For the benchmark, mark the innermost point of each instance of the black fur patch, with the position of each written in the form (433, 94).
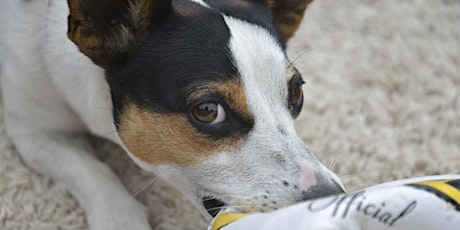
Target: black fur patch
(183, 51)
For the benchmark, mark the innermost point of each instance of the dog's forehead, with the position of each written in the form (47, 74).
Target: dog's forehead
(262, 65)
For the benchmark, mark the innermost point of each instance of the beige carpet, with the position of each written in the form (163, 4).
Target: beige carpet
(382, 103)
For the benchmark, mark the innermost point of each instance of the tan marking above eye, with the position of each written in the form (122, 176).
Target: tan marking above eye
(158, 138)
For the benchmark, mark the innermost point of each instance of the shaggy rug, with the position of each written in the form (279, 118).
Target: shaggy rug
(382, 103)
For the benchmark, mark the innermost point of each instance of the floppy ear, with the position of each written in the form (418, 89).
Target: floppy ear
(287, 15)
(108, 30)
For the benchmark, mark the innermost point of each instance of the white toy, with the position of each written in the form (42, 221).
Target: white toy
(424, 203)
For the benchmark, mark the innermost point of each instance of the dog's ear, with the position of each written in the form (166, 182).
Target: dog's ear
(287, 15)
(108, 30)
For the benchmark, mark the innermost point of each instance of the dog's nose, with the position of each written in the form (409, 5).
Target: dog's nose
(316, 181)
(321, 190)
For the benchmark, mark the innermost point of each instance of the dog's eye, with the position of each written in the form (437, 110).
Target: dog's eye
(295, 100)
(209, 112)
(296, 96)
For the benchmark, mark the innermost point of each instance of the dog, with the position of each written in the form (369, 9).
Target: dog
(200, 92)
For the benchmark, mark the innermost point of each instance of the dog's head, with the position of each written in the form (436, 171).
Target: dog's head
(204, 95)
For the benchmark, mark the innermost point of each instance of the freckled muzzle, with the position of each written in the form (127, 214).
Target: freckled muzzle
(262, 176)
(274, 195)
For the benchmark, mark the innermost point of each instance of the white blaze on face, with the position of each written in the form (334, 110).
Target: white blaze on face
(262, 65)
(263, 68)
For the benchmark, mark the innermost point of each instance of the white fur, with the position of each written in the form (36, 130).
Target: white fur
(263, 68)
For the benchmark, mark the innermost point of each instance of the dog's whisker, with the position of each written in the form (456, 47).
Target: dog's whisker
(228, 206)
(346, 178)
(334, 160)
(145, 186)
(223, 197)
(332, 163)
(112, 132)
(108, 133)
(302, 54)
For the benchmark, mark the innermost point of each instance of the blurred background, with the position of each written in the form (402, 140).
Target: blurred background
(382, 92)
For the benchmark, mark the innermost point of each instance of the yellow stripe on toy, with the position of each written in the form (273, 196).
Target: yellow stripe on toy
(442, 186)
(226, 218)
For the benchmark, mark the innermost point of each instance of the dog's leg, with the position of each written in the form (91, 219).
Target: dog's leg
(65, 157)
(46, 133)
(50, 140)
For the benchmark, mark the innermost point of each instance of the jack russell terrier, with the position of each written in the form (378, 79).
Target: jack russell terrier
(200, 92)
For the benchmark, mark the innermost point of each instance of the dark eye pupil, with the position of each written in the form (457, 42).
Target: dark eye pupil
(205, 112)
(296, 96)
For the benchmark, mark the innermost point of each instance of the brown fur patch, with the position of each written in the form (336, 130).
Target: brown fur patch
(166, 138)
(287, 15)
